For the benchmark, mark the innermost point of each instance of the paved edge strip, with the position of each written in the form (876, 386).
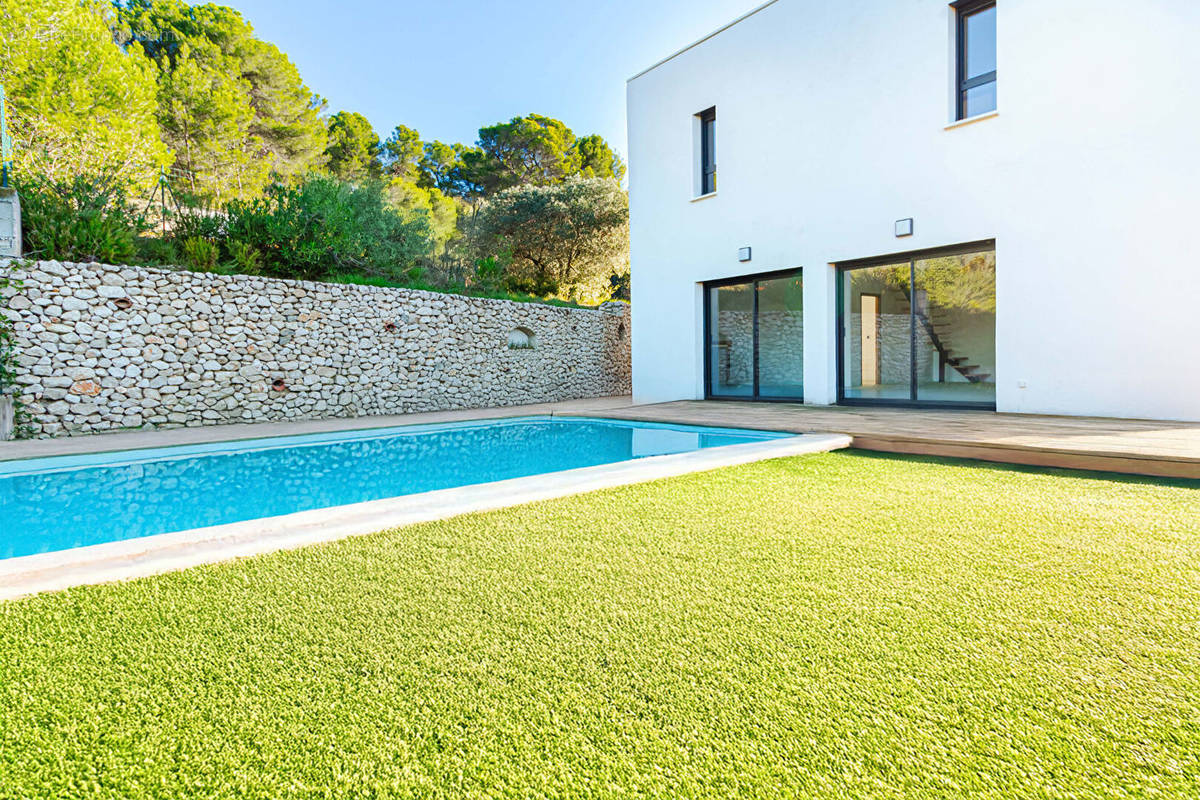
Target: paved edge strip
(149, 439)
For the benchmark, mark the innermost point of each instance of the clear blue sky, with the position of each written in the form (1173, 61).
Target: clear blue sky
(449, 67)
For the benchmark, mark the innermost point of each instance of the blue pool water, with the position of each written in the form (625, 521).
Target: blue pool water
(58, 503)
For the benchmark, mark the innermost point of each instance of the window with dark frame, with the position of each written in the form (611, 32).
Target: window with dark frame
(976, 57)
(754, 335)
(925, 339)
(708, 150)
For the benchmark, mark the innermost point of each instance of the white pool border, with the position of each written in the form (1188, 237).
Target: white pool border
(151, 555)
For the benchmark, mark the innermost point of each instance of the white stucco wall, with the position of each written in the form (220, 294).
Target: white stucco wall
(832, 124)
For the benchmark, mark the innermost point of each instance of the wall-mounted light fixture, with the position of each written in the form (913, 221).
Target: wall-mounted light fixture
(743, 254)
(904, 227)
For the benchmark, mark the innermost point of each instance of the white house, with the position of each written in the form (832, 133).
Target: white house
(910, 202)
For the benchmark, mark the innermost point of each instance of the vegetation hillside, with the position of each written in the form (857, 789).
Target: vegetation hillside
(158, 132)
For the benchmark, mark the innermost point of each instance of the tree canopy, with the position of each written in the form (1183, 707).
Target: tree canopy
(77, 103)
(540, 150)
(569, 234)
(598, 160)
(401, 153)
(232, 107)
(353, 150)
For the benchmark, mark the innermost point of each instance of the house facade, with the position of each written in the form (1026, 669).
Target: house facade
(976, 205)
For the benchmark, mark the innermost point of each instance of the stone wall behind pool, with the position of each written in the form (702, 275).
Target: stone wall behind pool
(108, 347)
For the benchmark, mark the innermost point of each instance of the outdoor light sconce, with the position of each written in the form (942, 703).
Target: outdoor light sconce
(743, 254)
(904, 227)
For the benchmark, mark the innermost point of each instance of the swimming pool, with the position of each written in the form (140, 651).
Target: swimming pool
(66, 502)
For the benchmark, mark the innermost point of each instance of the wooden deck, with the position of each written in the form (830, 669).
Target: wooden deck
(1161, 449)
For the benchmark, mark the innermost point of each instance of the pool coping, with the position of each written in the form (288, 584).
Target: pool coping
(150, 555)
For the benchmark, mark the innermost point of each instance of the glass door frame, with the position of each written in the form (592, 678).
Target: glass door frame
(754, 279)
(911, 256)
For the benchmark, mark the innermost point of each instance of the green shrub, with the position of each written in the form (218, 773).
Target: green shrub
(8, 348)
(201, 254)
(87, 218)
(22, 421)
(536, 285)
(565, 239)
(489, 273)
(198, 222)
(325, 226)
(154, 251)
(620, 286)
(245, 259)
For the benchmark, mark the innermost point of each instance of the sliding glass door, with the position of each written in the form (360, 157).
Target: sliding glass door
(755, 337)
(920, 329)
(955, 317)
(878, 356)
(731, 340)
(781, 338)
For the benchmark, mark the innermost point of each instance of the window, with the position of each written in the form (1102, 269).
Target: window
(708, 150)
(976, 57)
(755, 337)
(919, 329)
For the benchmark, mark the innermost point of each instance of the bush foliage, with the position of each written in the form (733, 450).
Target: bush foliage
(78, 219)
(326, 226)
(568, 236)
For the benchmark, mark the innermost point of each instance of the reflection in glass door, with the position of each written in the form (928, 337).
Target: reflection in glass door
(781, 337)
(921, 329)
(755, 337)
(731, 340)
(877, 352)
(955, 319)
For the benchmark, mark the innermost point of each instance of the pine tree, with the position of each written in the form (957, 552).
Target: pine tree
(78, 104)
(353, 147)
(232, 107)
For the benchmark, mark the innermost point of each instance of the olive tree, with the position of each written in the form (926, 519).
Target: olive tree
(565, 238)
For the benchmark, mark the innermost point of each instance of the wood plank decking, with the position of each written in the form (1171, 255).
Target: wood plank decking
(1162, 449)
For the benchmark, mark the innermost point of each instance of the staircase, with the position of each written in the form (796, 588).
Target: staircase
(939, 327)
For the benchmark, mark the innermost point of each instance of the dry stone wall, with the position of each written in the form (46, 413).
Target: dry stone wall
(108, 347)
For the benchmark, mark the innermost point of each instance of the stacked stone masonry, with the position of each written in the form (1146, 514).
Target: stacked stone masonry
(108, 347)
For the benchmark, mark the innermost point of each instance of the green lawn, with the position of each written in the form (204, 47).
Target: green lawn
(835, 626)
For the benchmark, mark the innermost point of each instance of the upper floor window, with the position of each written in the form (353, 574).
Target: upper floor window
(708, 150)
(976, 57)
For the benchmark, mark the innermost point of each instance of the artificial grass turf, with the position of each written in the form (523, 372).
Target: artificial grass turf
(839, 625)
